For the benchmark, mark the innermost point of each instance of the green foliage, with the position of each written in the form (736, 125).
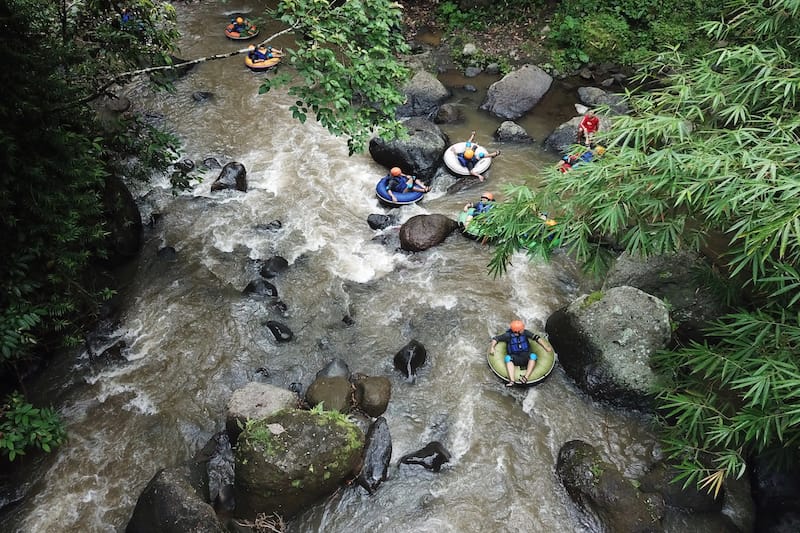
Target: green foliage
(710, 151)
(23, 426)
(624, 31)
(346, 61)
(455, 18)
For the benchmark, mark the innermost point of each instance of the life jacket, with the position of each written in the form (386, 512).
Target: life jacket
(518, 343)
(482, 207)
(396, 184)
(260, 55)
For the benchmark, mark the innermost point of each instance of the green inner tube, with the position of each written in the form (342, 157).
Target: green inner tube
(545, 363)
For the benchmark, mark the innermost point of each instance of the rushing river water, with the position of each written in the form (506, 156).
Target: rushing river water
(192, 337)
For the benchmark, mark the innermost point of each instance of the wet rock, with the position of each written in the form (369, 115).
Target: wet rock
(605, 340)
(218, 456)
(275, 225)
(202, 96)
(608, 500)
(470, 88)
(594, 96)
(184, 165)
(123, 222)
(333, 393)
(373, 393)
(167, 253)
(117, 104)
(517, 92)
(412, 356)
(421, 232)
(510, 131)
(420, 154)
(448, 114)
(335, 368)
(232, 176)
(777, 497)
(274, 266)
(424, 93)
(377, 221)
(348, 320)
(659, 479)
(471, 72)
(281, 332)
(432, 456)
(377, 456)
(253, 401)
(261, 287)
(170, 504)
(211, 163)
(306, 457)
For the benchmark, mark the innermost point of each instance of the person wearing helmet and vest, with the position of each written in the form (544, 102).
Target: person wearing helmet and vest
(472, 209)
(471, 155)
(399, 182)
(239, 25)
(518, 350)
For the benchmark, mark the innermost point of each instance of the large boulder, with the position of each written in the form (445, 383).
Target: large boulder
(594, 96)
(564, 136)
(604, 341)
(424, 93)
(421, 232)
(410, 357)
(510, 131)
(517, 92)
(171, 504)
(660, 478)
(609, 501)
(674, 279)
(123, 221)
(420, 154)
(286, 462)
(232, 176)
(255, 401)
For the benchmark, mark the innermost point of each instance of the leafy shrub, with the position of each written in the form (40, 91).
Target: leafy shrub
(23, 426)
(454, 17)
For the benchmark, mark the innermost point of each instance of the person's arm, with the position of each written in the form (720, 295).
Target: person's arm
(471, 137)
(542, 342)
(493, 345)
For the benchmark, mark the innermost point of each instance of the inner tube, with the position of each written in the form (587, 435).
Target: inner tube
(256, 66)
(452, 162)
(545, 363)
(249, 33)
(403, 198)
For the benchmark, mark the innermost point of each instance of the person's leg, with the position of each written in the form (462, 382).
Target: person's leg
(529, 368)
(511, 369)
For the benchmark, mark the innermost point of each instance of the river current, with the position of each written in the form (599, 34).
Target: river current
(192, 338)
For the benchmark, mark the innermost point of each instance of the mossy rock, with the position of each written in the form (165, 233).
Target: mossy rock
(287, 461)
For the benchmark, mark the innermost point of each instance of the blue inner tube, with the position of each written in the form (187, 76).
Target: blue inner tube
(403, 198)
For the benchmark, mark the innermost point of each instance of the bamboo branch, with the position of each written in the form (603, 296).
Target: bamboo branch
(103, 89)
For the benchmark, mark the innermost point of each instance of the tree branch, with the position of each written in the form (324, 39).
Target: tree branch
(103, 89)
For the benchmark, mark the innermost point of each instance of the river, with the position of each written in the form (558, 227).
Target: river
(192, 337)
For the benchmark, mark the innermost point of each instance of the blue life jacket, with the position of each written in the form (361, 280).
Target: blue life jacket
(396, 184)
(482, 207)
(518, 343)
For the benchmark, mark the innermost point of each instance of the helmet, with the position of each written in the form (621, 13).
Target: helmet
(239, 20)
(395, 171)
(468, 154)
(481, 155)
(489, 196)
(550, 222)
(600, 150)
(517, 326)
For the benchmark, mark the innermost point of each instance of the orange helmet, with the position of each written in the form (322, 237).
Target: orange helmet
(239, 20)
(468, 154)
(517, 326)
(489, 196)
(395, 171)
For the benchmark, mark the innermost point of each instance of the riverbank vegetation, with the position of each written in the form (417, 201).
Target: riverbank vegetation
(710, 151)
